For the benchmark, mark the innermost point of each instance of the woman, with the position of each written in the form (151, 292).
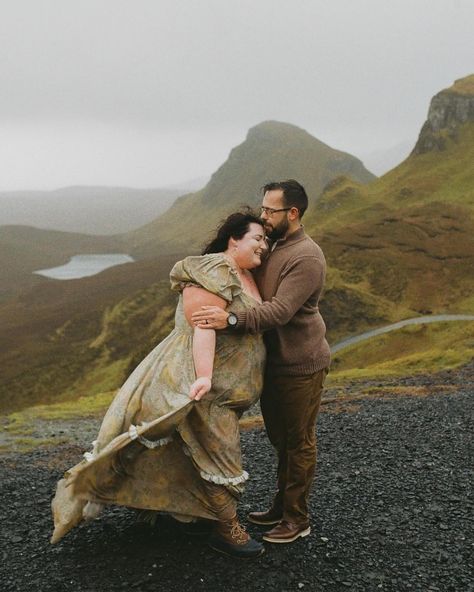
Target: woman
(170, 439)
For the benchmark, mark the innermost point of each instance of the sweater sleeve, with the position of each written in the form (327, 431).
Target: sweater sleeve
(303, 277)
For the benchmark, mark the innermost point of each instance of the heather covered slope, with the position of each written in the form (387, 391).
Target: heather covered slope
(63, 339)
(408, 237)
(272, 150)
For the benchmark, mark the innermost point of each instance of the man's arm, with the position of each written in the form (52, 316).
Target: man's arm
(303, 277)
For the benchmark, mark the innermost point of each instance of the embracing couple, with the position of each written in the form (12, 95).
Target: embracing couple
(247, 325)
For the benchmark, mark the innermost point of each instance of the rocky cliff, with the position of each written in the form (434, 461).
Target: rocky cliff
(449, 110)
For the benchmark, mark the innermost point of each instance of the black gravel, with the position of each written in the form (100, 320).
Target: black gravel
(392, 509)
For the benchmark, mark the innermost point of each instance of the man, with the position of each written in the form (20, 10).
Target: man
(290, 281)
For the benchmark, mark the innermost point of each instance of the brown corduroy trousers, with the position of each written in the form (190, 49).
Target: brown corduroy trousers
(290, 406)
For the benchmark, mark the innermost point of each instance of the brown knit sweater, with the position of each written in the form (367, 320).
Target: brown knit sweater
(290, 282)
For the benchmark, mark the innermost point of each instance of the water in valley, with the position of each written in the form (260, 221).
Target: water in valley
(81, 266)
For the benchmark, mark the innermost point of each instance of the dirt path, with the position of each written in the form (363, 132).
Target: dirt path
(443, 318)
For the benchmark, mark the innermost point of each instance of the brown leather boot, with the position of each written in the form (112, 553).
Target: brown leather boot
(266, 518)
(286, 532)
(231, 538)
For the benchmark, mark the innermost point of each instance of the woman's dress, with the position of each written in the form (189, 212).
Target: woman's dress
(156, 445)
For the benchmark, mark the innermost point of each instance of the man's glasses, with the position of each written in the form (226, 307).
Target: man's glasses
(271, 211)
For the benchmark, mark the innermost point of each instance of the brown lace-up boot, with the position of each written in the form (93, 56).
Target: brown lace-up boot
(231, 538)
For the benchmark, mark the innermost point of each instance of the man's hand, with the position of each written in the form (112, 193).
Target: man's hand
(210, 317)
(200, 387)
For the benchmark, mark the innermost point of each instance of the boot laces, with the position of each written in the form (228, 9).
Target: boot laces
(239, 533)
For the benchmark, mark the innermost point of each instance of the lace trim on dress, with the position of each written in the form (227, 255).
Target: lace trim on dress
(134, 435)
(225, 480)
(154, 443)
(89, 456)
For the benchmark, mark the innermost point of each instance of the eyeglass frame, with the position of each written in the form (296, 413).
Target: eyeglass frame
(271, 211)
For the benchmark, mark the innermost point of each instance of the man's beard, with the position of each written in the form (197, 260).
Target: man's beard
(278, 231)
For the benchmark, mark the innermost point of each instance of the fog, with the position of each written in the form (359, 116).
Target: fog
(151, 93)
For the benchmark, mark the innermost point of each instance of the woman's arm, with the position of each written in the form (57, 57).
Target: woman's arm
(204, 342)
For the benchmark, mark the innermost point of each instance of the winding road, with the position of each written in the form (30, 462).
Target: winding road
(394, 326)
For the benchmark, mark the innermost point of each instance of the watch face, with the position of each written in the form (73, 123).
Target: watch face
(232, 320)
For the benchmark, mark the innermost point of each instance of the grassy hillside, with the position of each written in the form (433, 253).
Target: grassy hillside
(88, 332)
(411, 350)
(408, 237)
(399, 246)
(272, 150)
(463, 86)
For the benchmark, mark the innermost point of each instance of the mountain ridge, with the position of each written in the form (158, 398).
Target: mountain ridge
(271, 150)
(396, 248)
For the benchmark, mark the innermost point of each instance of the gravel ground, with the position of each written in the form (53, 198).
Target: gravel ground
(392, 509)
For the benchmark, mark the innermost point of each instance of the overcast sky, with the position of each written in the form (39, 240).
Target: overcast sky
(149, 93)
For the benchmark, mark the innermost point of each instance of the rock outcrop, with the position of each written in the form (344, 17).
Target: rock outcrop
(449, 110)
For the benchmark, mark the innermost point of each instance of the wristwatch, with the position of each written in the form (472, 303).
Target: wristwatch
(232, 320)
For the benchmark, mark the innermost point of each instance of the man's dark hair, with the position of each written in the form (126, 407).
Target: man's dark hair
(234, 226)
(294, 194)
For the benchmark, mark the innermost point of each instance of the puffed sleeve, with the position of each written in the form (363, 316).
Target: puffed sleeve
(212, 272)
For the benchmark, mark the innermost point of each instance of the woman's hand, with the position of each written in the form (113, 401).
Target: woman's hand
(200, 387)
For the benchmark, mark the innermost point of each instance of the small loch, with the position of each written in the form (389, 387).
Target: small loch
(80, 266)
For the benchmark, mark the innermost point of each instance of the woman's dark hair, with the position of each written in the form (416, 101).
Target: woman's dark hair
(234, 226)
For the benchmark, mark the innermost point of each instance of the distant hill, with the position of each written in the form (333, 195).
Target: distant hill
(399, 246)
(88, 210)
(384, 159)
(190, 185)
(271, 151)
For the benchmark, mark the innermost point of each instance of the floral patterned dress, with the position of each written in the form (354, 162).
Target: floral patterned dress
(155, 445)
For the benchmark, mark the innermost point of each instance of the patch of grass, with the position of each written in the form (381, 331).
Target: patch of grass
(463, 86)
(22, 422)
(350, 307)
(103, 376)
(23, 445)
(411, 350)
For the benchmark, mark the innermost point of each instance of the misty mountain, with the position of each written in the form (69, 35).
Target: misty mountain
(89, 210)
(271, 151)
(383, 160)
